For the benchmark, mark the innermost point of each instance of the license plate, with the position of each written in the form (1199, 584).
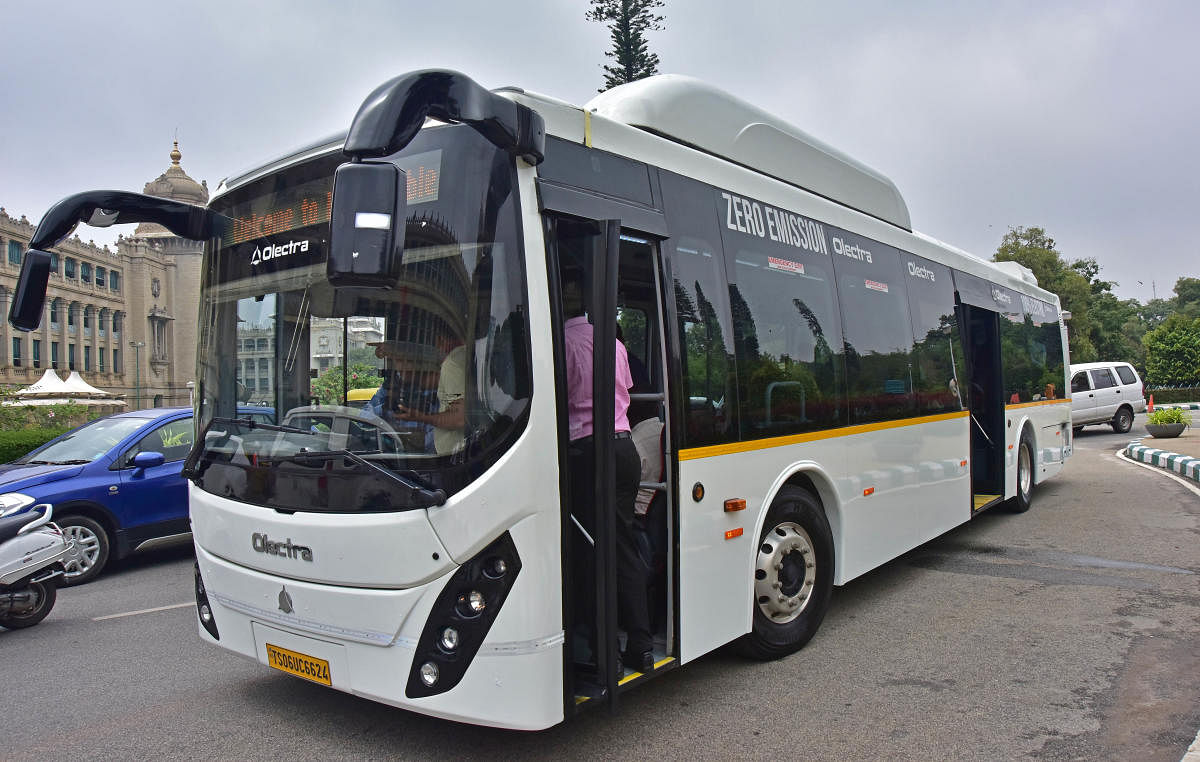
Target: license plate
(298, 664)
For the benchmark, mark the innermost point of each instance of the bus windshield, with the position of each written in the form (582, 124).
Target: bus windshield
(424, 384)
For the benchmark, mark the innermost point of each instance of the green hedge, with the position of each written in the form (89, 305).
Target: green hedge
(14, 444)
(1187, 394)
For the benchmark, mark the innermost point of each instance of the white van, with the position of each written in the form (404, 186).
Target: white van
(1106, 392)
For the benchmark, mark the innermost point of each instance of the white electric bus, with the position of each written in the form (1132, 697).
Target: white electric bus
(817, 389)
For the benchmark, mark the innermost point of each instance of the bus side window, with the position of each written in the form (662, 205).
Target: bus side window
(702, 332)
(938, 353)
(878, 332)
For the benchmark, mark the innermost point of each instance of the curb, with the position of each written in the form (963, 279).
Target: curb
(1184, 465)
(1181, 405)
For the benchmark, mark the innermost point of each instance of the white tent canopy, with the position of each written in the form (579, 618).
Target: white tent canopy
(77, 387)
(49, 385)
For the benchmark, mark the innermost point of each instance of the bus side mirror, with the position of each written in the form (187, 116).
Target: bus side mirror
(29, 299)
(367, 223)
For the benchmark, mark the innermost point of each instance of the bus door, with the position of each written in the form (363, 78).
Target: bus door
(614, 561)
(985, 391)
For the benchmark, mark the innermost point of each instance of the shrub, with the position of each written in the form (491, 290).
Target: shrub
(14, 444)
(1168, 415)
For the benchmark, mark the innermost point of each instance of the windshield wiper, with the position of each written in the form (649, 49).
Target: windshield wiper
(430, 497)
(75, 462)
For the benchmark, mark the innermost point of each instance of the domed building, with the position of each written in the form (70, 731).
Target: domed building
(125, 319)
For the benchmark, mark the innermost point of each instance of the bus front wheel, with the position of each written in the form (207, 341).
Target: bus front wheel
(793, 576)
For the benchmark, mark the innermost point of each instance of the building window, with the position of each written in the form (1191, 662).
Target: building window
(70, 357)
(54, 355)
(87, 320)
(85, 272)
(54, 314)
(114, 281)
(54, 263)
(117, 368)
(68, 268)
(16, 356)
(100, 352)
(116, 326)
(100, 277)
(87, 357)
(14, 252)
(37, 353)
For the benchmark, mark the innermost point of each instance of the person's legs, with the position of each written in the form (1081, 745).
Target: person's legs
(632, 605)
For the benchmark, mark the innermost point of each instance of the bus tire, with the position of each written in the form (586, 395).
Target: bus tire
(1024, 496)
(793, 576)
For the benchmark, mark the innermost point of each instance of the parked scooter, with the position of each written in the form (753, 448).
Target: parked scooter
(33, 553)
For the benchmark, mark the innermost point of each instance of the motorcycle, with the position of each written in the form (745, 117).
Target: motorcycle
(33, 555)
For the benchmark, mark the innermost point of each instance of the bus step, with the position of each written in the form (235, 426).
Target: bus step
(985, 501)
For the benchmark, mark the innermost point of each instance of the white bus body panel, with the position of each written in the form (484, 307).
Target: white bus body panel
(369, 637)
(920, 477)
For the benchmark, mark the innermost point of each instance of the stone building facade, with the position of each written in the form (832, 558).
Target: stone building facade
(125, 319)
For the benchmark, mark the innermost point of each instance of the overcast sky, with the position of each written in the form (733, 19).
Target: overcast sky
(1079, 117)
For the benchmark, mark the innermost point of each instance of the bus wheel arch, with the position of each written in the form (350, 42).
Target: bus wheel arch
(792, 575)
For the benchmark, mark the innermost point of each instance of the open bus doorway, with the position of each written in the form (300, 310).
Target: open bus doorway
(981, 329)
(617, 525)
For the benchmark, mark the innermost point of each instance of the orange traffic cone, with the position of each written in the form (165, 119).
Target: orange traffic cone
(1150, 406)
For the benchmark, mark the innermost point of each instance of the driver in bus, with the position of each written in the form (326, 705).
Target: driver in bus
(450, 418)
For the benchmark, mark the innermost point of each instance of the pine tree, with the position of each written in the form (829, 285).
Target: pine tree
(628, 22)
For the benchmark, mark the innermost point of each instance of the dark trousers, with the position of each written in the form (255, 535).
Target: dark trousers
(633, 612)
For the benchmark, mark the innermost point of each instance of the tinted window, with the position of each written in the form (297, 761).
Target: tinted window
(877, 331)
(702, 311)
(786, 336)
(585, 167)
(1127, 375)
(1080, 383)
(1103, 378)
(938, 352)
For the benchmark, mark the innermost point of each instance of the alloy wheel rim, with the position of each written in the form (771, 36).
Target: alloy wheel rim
(1024, 470)
(785, 572)
(89, 550)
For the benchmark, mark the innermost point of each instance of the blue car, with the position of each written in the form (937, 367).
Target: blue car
(115, 483)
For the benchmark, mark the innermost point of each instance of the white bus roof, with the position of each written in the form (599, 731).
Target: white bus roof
(689, 111)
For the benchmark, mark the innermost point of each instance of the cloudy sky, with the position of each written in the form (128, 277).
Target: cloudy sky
(1079, 116)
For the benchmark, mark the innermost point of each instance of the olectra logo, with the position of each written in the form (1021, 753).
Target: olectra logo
(263, 253)
(264, 544)
(1001, 297)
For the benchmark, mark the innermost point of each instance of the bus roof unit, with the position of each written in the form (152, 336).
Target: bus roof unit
(692, 112)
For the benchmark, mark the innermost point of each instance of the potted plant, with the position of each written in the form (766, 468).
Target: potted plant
(1167, 422)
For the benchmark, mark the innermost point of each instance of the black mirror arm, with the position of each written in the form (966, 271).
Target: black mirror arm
(393, 113)
(102, 208)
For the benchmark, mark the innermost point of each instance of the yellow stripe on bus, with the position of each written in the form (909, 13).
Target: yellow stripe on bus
(1036, 404)
(764, 444)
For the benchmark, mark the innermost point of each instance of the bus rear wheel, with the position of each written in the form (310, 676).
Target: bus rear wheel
(793, 576)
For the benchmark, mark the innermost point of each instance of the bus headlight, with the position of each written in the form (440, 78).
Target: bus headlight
(460, 618)
(429, 674)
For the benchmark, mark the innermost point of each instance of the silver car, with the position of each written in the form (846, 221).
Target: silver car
(1106, 392)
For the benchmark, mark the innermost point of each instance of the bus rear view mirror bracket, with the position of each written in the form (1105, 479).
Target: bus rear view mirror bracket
(99, 208)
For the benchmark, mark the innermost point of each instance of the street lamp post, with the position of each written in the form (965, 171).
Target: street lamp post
(137, 373)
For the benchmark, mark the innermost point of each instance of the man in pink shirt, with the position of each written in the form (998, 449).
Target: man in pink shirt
(632, 607)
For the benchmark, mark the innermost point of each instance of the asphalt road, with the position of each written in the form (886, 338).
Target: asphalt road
(1072, 631)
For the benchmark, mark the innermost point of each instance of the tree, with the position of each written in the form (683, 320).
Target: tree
(330, 387)
(628, 21)
(1187, 296)
(1034, 249)
(1173, 351)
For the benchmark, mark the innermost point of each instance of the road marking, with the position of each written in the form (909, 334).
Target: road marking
(142, 611)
